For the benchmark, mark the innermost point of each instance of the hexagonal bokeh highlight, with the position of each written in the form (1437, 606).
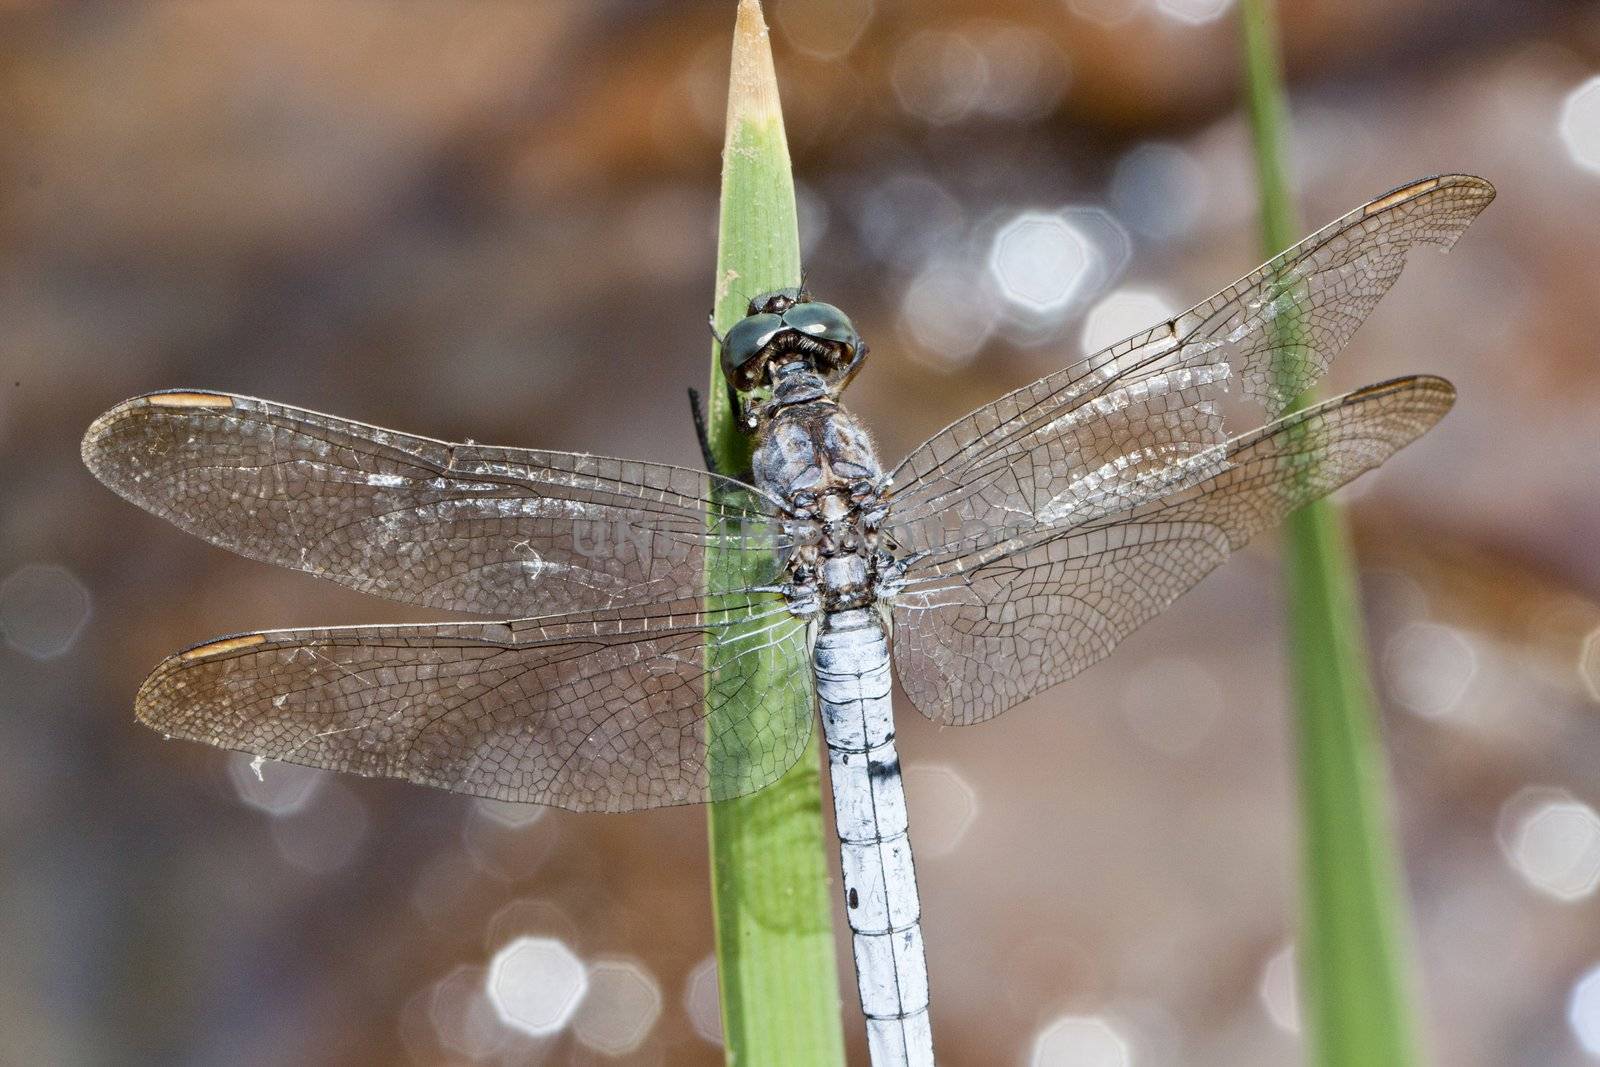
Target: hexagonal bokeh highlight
(1552, 840)
(1046, 265)
(621, 1008)
(1194, 12)
(701, 1001)
(1279, 990)
(536, 984)
(504, 813)
(946, 316)
(825, 29)
(1121, 314)
(43, 608)
(1161, 189)
(1579, 125)
(1027, 70)
(461, 1016)
(1429, 668)
(527, 917)
(939, 76)
(1106, 12)
(1080, 1041)
(1040, 261)
(945, 806)
(1589, 663)
(1583, 1011)
(275, 788)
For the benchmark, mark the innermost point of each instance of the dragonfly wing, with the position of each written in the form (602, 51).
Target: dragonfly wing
(979, 632)
(1144, 408)
(463, 527)
(607, 711)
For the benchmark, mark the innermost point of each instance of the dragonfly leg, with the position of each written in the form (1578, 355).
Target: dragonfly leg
(697, 412)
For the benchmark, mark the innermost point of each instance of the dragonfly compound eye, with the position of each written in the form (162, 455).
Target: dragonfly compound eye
(745, 349)
(830, 327)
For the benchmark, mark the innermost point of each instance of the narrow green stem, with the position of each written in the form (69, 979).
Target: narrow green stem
(1269, 123)
(1354, 934)
(769, 876)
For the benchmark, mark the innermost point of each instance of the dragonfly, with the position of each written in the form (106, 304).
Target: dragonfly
(656, 635)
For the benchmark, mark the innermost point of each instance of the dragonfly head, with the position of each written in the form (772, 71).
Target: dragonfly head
(786, 326)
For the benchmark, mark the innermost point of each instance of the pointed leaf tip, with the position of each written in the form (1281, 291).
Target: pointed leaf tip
(752, 83)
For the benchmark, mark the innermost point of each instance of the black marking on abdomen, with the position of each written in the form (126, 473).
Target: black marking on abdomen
(879, 770)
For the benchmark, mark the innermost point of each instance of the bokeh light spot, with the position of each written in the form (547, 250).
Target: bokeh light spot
(1583, 1011)
(623, 1004)
(1279, 990)
(1429, 668)
(463, 1020)
(945, 807)
(825, 29)
(908, 219)
(42, 610)
(1040, 261)
(1579, 125)
(1081, 1041)
(1160, 189)
(1106, 12)
(946, 315)
(1121, 314)
(509, 849)
(505, 813)
(1045, 267)
(1194, 12)
(701, 1002)
(1589, 663)
(939, 76)
(1027, 71)
(276, 788)
(535, 984)
(1552, 840)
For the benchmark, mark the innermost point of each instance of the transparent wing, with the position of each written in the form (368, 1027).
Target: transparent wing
(1095, 434)
(998, 625)
(497, 531)
(609, 711)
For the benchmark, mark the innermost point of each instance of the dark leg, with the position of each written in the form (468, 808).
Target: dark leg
(699, 416)
(736, 406)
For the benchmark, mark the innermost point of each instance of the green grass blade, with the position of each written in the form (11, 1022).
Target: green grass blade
(770, 891)
(1354, 934)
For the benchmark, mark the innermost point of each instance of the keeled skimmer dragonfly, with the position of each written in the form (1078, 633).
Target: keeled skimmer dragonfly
(1008, 552)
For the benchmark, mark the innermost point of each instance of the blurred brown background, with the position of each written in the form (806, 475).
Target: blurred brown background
(495, 219)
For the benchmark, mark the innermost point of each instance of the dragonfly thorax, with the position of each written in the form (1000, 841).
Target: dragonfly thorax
(815, 457)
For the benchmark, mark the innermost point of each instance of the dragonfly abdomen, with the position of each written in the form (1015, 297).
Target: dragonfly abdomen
(880, 885)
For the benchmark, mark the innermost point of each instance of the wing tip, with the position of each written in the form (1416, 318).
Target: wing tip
(1421, 396)
(1479, 185)
(1430, 386)
(159, 696)
(133, 407)
(1480, 188)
